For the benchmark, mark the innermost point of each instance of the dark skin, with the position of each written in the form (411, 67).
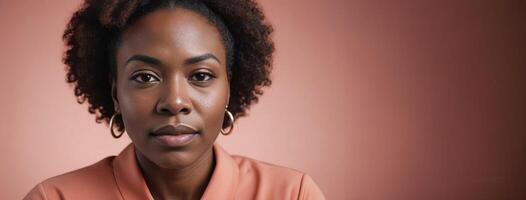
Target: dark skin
(171, 68)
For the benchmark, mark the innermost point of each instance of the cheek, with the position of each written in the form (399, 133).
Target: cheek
(136, 107)
(211, 107)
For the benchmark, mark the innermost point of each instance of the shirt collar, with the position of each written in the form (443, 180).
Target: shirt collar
(132, 186)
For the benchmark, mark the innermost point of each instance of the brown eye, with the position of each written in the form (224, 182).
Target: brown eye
(144, 78)
(201, 77)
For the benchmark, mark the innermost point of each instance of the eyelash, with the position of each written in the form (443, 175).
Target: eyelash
(135, 77)
(208, 77)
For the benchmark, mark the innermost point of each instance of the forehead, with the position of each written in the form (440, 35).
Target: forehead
(171, 34)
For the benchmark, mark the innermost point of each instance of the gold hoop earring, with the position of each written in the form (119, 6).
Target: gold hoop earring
(112, 120)
(231, 127)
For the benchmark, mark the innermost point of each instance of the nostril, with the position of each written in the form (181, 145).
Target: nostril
(173, 105)
(165, 110)
(185, 110)
(173, 111)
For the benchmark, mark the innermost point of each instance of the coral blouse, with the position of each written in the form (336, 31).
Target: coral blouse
(234, 177)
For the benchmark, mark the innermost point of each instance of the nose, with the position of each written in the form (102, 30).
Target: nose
(174, 99)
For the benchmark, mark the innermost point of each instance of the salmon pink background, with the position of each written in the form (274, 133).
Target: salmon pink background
(374, 99)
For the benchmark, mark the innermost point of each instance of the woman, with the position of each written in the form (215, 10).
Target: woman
(173, 75)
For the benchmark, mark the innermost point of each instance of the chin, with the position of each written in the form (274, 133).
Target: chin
(174, 159)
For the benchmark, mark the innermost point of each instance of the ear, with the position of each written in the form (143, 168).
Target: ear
(114, 94)
(228, 97)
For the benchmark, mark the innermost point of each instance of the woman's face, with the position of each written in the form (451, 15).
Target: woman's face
(171, 86)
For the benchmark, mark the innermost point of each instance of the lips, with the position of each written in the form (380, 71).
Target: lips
(175, 136)
(179, 129)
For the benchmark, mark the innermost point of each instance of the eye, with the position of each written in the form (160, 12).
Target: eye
(144, 78)
(201, 77)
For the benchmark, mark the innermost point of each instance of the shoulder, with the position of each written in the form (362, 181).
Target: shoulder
(271, 180)
(251, 167)
(94, 173)
(84, 182)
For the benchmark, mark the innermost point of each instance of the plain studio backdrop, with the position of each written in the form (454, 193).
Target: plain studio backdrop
(375, 99)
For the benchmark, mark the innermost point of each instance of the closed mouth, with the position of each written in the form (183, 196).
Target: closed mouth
(178, 129)
(176, 136)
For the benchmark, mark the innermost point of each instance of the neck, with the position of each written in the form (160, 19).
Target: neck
(187, 183)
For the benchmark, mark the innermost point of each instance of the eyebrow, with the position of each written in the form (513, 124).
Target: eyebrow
(143, 58)
(155, 61)
(200, 58)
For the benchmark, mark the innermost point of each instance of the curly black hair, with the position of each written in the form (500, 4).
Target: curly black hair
(93, 35)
